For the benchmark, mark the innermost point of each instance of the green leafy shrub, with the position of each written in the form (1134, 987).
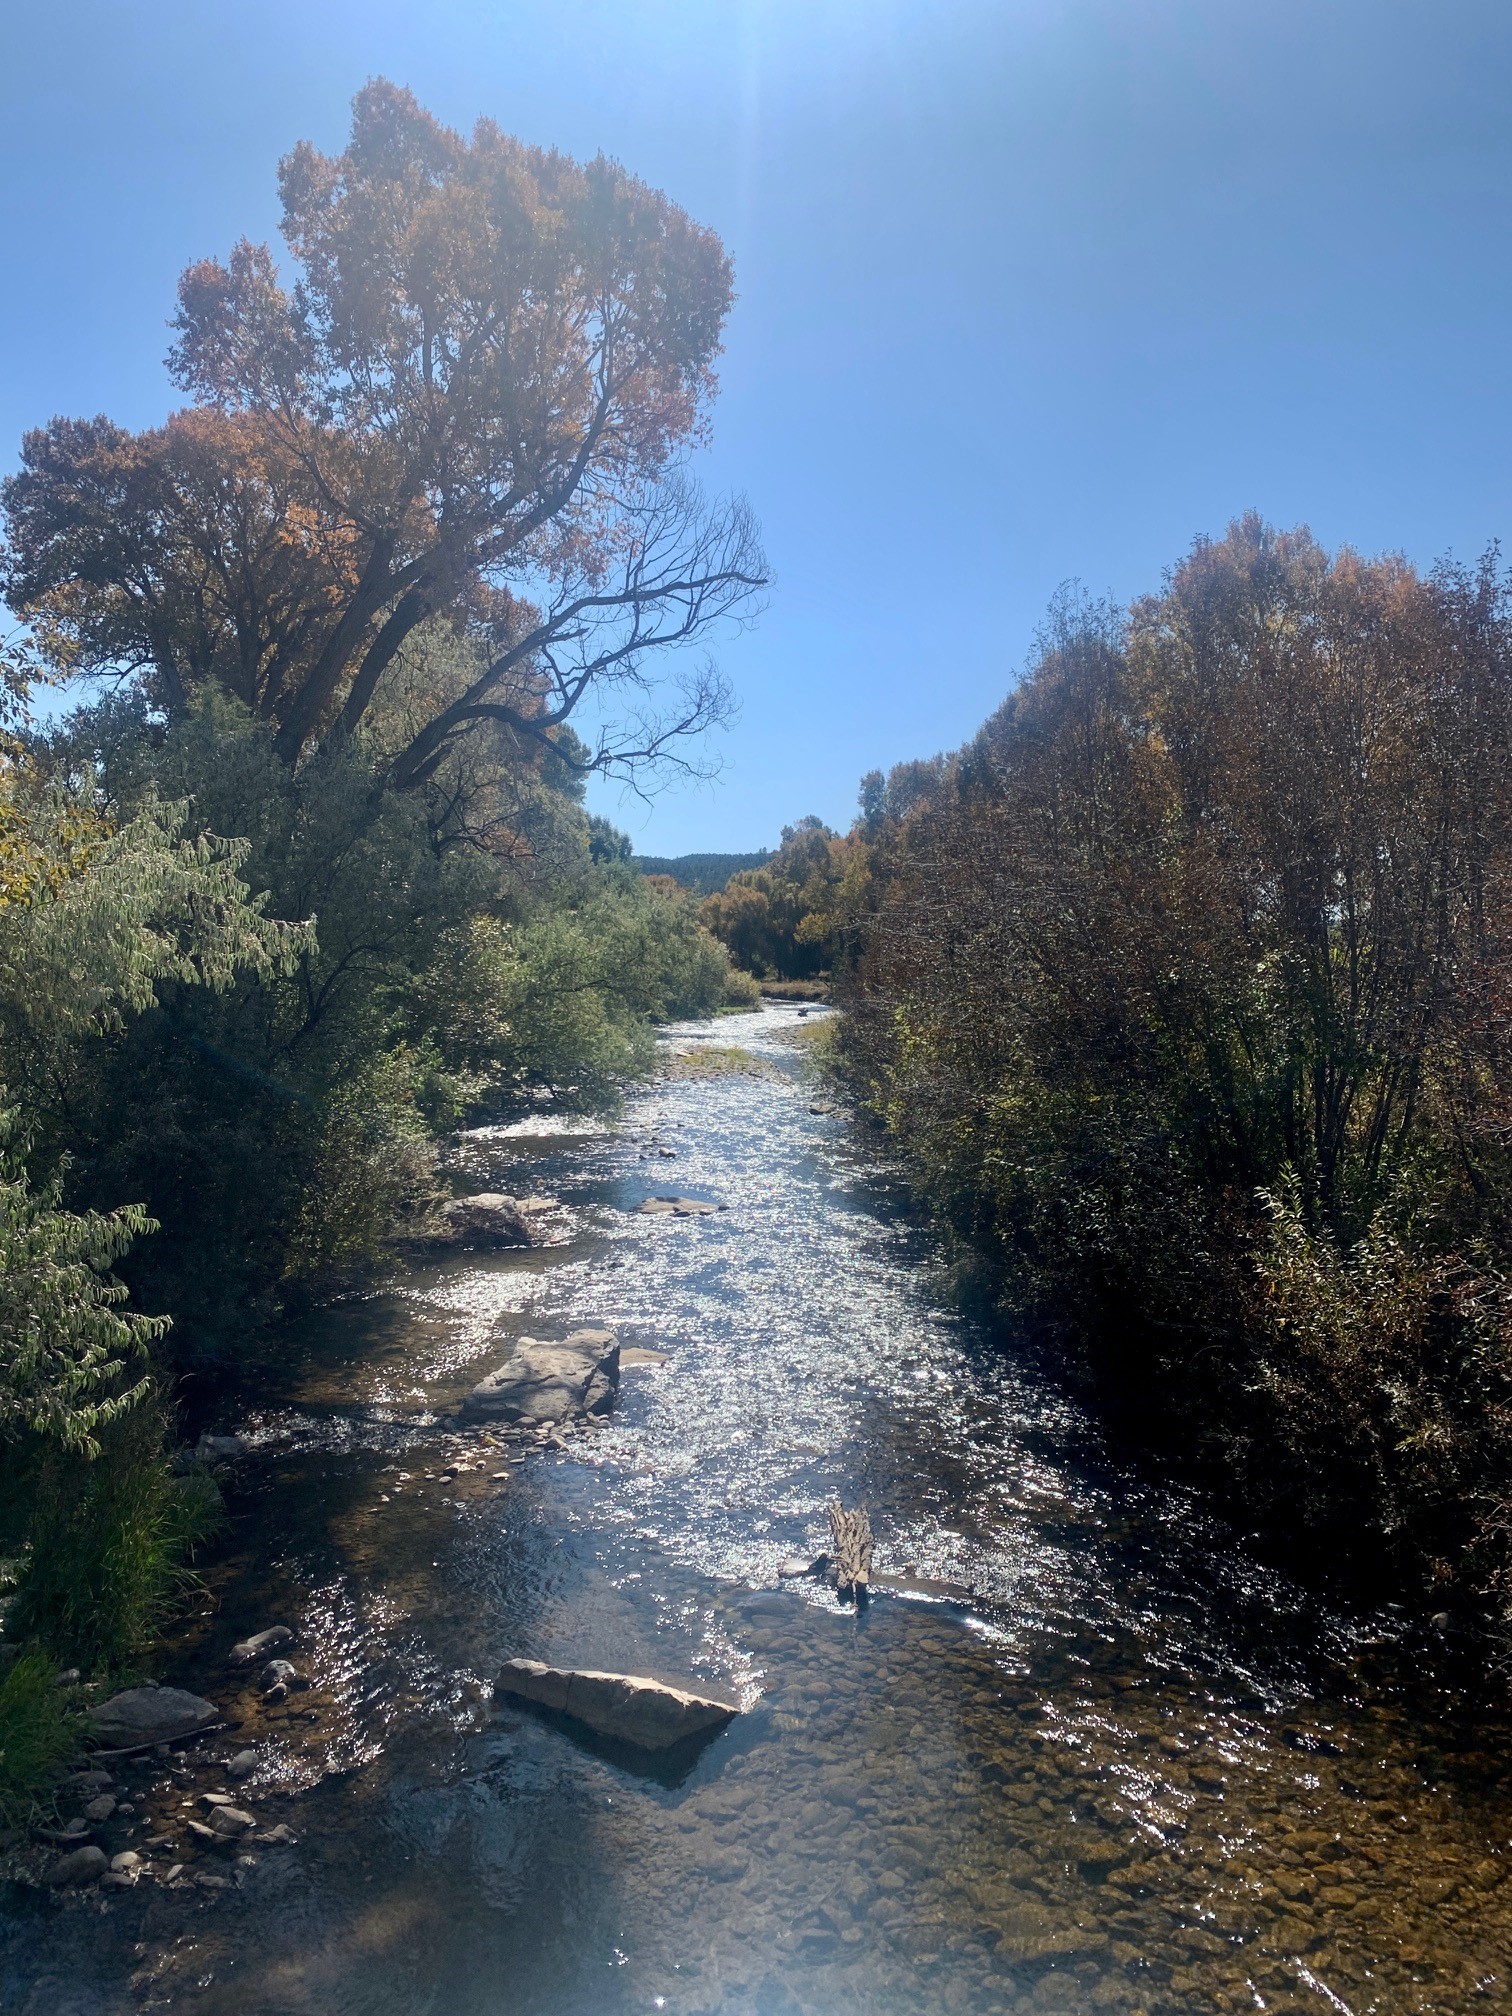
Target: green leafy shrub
(372, 1172)
(71, 1359)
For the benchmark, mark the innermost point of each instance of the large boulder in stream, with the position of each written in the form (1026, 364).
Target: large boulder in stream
(626, 1706)
(492, 1219)
(143, 1716)
(550, 1383)
(85, 1865)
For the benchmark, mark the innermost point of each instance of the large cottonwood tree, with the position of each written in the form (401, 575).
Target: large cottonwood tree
(470, 404)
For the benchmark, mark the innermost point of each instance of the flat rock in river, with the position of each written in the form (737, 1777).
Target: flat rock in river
(550, 1383)
(628, 1706)
(676, 1207)
(146, 1715)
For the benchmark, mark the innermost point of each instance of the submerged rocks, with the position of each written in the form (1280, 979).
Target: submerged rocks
(222, 1448)
(492, 1219)
(88, 1781)
(677, 1207)
(250, 1650)
(143, 1716)
(230, 1822)
(911, 1583)
(546, 1384)
(628, 1706)
(70, 1836)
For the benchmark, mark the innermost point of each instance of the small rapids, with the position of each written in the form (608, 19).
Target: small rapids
(1137, 1771)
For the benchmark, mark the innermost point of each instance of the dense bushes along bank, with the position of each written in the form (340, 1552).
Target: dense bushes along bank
(1186, 990)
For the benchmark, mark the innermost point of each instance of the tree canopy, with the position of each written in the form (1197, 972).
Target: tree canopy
(469, 405)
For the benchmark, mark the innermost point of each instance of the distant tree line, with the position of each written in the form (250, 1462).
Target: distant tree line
(1185, 989)
(702, 873)
(781, 921)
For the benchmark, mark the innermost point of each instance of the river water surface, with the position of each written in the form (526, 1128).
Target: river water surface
(1135, 1771)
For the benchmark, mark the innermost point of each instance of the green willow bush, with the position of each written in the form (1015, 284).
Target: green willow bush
(1186, 988)
(448, 953)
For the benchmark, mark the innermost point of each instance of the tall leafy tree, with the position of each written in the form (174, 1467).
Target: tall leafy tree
(471, 402)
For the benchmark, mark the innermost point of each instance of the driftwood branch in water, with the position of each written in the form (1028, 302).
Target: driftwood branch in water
(851, 1545)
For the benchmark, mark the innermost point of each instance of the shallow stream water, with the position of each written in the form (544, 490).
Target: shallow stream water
(1136, 1771)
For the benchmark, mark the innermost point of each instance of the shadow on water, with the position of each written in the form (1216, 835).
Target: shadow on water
(670, 1768)
(1139, 1771)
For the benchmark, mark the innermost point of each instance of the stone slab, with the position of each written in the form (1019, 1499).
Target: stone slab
(147, 1715)
(645, 1712)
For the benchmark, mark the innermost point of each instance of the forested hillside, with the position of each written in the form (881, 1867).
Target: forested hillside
(1185, 990)
(702, 873)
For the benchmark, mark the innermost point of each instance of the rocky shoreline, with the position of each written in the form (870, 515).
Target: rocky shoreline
(151, 1804)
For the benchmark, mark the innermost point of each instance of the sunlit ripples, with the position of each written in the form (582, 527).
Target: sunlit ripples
(1137, 1772)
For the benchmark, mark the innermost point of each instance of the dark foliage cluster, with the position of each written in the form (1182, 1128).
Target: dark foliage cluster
(703, 873)
(1186, 989)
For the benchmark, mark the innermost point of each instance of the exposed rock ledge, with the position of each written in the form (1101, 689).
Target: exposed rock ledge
(552, 1383)
(144, 1716)
(677, 1207)
(624, 1705)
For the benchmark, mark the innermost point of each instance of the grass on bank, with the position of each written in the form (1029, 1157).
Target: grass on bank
(108, 1548)
(38, 1736)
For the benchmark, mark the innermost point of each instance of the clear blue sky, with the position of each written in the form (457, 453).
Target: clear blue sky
(1029, 289)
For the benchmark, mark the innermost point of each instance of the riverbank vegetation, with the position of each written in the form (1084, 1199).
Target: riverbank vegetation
(1185, 989)
(305, 878)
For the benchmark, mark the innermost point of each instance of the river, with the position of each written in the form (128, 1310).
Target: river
(1136, 1771)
